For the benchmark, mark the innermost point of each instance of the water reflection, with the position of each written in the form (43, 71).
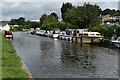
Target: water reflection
(49, 58)
(75, 53)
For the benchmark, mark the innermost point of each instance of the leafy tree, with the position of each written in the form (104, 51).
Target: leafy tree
(100, 10)
(108, 11)
(44, 16)
(65, 8)
(83, 16)
(48, 19)
(54, 14)
(59, 25)
(21, 21)
(108, 32)
(13, 22)
(35, 24)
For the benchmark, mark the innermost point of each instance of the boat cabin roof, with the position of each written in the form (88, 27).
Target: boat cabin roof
(118, 39)
(70, 29)
(89, 32)
(82, 30)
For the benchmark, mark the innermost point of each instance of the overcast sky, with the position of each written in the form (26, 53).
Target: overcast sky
(32, 10)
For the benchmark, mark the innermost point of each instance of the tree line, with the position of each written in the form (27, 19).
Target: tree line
(85, 16)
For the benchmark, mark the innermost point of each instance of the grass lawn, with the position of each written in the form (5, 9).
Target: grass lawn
(11, 63)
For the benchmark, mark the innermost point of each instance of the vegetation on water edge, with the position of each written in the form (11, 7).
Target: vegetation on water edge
(61, 26)
(11, 63)
(108, 32)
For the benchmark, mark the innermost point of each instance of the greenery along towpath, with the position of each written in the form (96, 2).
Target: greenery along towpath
(11, 63)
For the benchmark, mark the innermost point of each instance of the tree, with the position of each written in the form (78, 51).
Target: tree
(43, 17)
(21, 21)
(50, 19)
(65, 8)
(35, 24)
(108, 11)
(83, 16)
(13, 22)
(59, 25)
(54, 14)
(47, 19)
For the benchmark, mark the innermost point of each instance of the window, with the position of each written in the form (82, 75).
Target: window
(85, 34)
(98, 34)
(92, 34)
(8, 33)
(118, 39)
(80, 35)
(77, 31)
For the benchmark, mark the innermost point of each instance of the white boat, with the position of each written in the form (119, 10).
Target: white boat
(69, 34)
(117, 42)
(40, 32)
(62, 34)
(84, 36)
(55, 33)
(47, 33)
(50, 33)
(30, 30)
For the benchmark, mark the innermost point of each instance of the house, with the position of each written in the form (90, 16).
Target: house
(12, 26)
(116, 16)
(4, 26)
(104, 18)
(109, 21)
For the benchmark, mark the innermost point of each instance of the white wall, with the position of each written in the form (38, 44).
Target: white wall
(6, 27)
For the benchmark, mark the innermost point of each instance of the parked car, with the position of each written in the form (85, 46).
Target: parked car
(8, 34)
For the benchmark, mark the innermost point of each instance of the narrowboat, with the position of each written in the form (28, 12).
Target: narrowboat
(84, 36)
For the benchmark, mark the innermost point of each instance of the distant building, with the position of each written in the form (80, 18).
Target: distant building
(109, 21)
(104, 18)
(116, 16)
(12, 26)
(4, 26)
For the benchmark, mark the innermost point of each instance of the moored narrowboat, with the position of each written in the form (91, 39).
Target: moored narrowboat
(84, 36)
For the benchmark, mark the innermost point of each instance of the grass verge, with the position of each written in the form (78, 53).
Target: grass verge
(11, 63)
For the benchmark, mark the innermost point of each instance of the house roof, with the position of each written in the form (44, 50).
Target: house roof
(3, 24)
(116, 14)
(109, 20)
(102, 16)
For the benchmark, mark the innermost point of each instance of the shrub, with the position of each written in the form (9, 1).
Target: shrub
(59, 25)
(108, 32)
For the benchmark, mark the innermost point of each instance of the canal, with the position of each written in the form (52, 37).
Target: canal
(49, 58)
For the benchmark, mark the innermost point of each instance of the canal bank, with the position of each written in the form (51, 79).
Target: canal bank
(12, 67)
(49, 58)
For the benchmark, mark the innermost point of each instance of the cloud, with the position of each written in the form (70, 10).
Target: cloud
(15, 5)
(59, 0)
(34, 10)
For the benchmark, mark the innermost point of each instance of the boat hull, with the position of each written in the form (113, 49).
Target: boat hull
(87, 39)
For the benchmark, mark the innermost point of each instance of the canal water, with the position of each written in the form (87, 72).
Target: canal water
(49, 58)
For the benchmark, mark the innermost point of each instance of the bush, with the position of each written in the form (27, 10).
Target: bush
(59, 25)
(14, 29)
(99, 29)
(108, 32)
